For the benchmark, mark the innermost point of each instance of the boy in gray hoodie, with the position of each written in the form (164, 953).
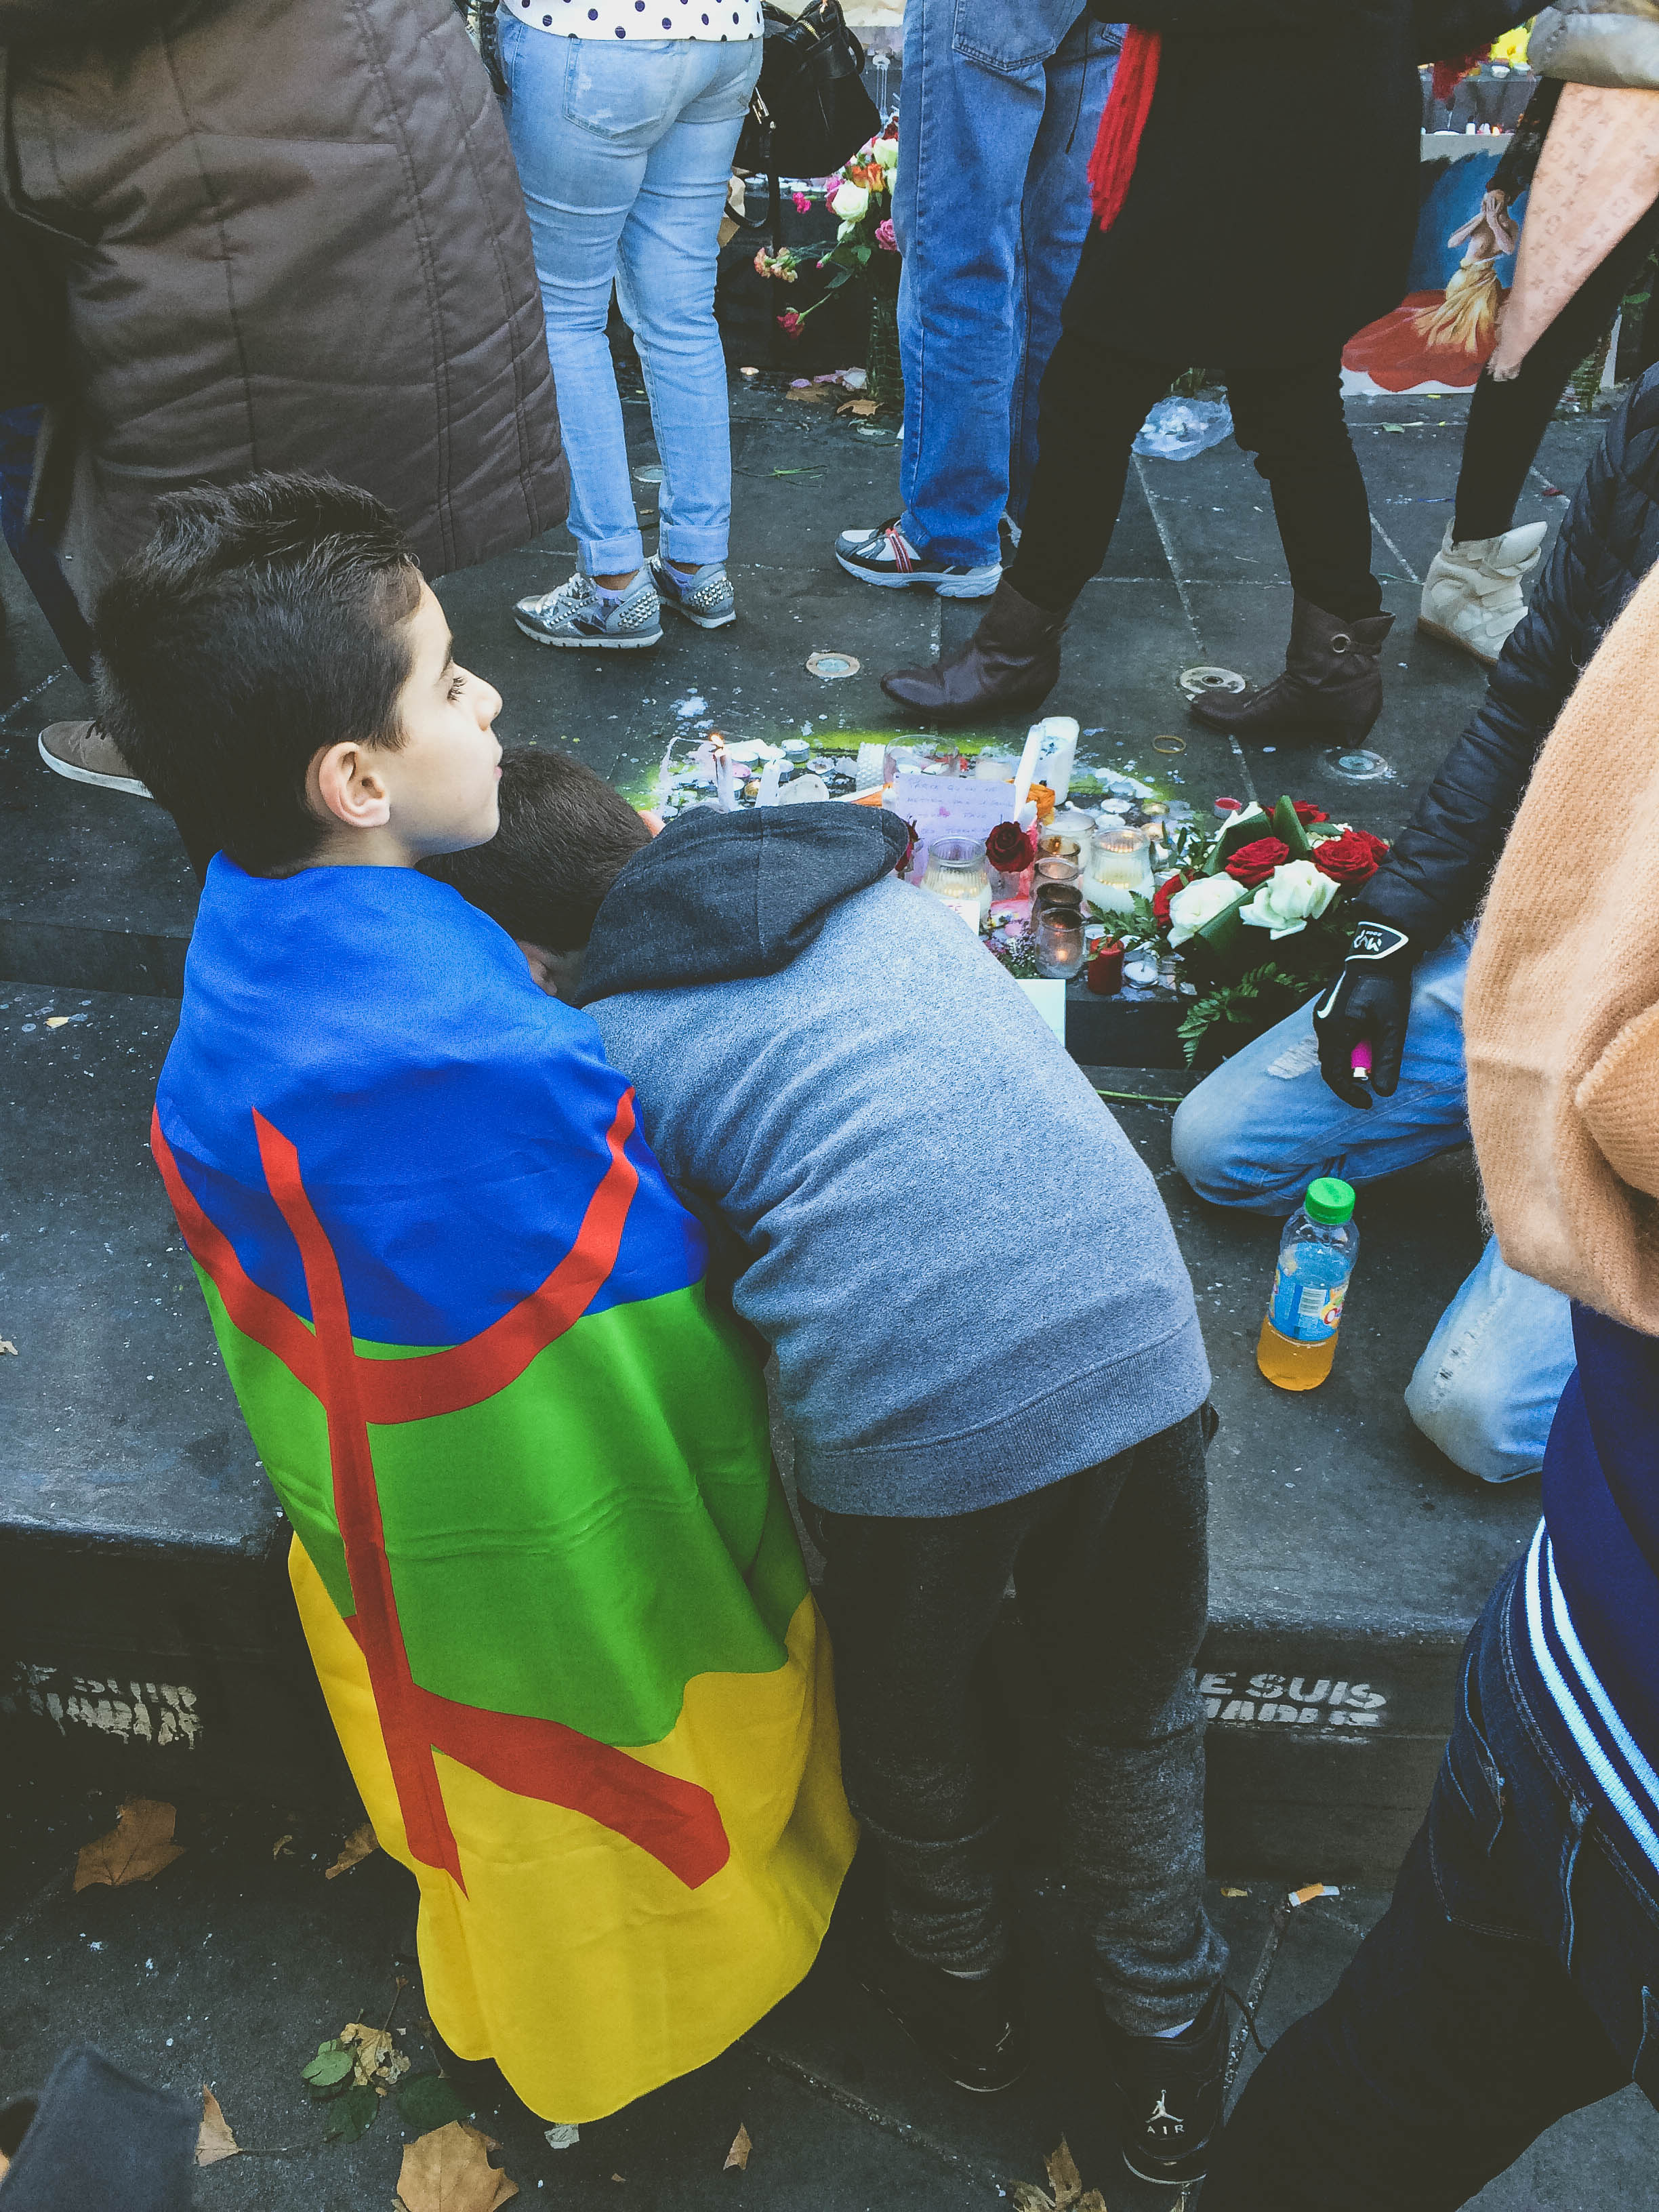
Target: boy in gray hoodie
(988, 1353)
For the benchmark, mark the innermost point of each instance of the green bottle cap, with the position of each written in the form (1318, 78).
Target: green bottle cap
(1329, 1199)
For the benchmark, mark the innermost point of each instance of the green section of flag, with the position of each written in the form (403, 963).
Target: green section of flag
(580, 1544)
(290, 1434)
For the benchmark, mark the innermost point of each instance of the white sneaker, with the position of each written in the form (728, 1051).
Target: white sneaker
(1472, 594)
(887, 558)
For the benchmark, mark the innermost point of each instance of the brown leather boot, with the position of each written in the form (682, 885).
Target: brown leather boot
(1332, 686)
(1012, 659)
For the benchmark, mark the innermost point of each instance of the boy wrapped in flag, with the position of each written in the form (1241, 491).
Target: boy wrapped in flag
(542, 1560)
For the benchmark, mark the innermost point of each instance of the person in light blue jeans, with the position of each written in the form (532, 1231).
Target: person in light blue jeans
(624, 148)
(1256, 1132)
(999, 107)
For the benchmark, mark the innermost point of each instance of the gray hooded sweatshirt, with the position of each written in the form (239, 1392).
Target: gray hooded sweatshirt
(965, 1270)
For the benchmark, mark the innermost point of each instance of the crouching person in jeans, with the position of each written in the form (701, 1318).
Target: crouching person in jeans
(993, 1367)
(1515, 1975)
(1256, 1133)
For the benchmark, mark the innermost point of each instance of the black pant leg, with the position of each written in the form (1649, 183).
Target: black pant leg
(1507, 421)
(1289, 416)
(1114, 1592)
(911, 1604)
(1094, 399)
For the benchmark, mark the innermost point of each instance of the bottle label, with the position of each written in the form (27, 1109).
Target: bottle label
(1307, 1313)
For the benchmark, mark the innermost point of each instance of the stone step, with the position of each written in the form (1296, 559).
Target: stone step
(146, 1634)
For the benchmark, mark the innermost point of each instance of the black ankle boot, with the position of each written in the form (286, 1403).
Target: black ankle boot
(1012, 659)
(976, 2032)
(1332, 686)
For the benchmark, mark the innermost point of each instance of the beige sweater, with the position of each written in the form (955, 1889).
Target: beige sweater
(1561, 1018)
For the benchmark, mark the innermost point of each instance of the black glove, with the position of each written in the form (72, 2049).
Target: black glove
(1369, 1000)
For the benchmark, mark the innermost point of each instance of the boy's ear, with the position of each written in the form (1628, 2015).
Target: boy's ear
(556, 973)
(345, 783)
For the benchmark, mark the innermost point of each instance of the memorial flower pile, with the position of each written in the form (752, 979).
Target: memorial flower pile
(860, 195)
(1256, 913)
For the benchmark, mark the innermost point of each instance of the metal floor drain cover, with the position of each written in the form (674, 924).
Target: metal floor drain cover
(1196, 680)
(831, 664)
(1357, 765)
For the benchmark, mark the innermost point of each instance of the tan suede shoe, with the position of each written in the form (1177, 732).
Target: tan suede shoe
(80, 752)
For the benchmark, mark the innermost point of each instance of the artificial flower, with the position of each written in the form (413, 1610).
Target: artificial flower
(1252, 864)
(1351, 858)
(1042, 798)
(1009, 849)
(884, 237)
(1200, 902)
(1292, 896)
(850, 203)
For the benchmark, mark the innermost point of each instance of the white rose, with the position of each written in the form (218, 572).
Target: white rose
(850, 203)
(886, 152)
(847, 230)
(1195, 903)
(1292, 896)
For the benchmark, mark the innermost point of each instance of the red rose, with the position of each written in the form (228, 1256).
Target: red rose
(1010, 849)
(1306, 812)
(902, 867)
(1166, 891)
(1252, 864)
(1351, 858)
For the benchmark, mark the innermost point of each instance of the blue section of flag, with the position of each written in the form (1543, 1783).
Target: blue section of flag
(451, 1119)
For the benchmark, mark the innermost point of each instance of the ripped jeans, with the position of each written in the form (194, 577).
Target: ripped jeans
(1256, 1133)
(1514, 1979)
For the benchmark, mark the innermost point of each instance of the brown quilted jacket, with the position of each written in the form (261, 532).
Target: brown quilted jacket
(288, 235)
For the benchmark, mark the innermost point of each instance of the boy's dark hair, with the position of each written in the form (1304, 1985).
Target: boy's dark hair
(261, 624)
(564, 835)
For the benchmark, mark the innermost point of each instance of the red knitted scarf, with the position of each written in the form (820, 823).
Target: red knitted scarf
(1112, 163)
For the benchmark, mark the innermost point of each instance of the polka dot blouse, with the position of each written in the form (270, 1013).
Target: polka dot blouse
(640, 19)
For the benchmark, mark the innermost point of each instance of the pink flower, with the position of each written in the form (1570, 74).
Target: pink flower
(802, 201)
(884, 237)
(789, 322)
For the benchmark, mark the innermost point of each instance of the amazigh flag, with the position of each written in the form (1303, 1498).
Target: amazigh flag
(547, 1575)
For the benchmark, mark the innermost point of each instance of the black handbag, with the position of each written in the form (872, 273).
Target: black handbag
(810, 111)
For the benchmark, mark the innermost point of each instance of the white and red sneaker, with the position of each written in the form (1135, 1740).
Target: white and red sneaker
(887, 557)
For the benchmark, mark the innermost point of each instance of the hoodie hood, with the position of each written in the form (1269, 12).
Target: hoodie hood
(720, 896)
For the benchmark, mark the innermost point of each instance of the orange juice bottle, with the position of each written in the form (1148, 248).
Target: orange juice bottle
(1316, 1255)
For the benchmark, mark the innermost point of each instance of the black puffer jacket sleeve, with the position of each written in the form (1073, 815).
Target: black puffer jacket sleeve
(1438, 873)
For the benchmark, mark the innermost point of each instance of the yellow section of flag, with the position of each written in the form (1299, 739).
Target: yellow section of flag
(575, 1959)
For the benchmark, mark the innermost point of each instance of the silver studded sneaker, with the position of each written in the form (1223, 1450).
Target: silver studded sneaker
(575, 614)
(705, 597)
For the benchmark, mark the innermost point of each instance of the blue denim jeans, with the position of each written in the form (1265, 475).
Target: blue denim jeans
(998, 112)
(1255, 1134)
(624, 152)
(1514, 1978)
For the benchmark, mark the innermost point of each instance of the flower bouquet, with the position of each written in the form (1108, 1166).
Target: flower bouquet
(860, 193)
(1256, 914)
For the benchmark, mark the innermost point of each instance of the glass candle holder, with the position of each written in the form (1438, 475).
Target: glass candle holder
(1054, 870)
(1058, 936)
(957, 875)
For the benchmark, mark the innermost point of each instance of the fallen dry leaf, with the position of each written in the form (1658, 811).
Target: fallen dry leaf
(1063, 2177)
(1225, 1892)
(1026, 2197)
(810, 392)
(357, 1846)
(137, 1847)
(56, 1021)
(284, 1844)
(1094, 2202)
(449, 2171)
(738, 2154)
(214, 2140)
(859, 407)
(377, 2061)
